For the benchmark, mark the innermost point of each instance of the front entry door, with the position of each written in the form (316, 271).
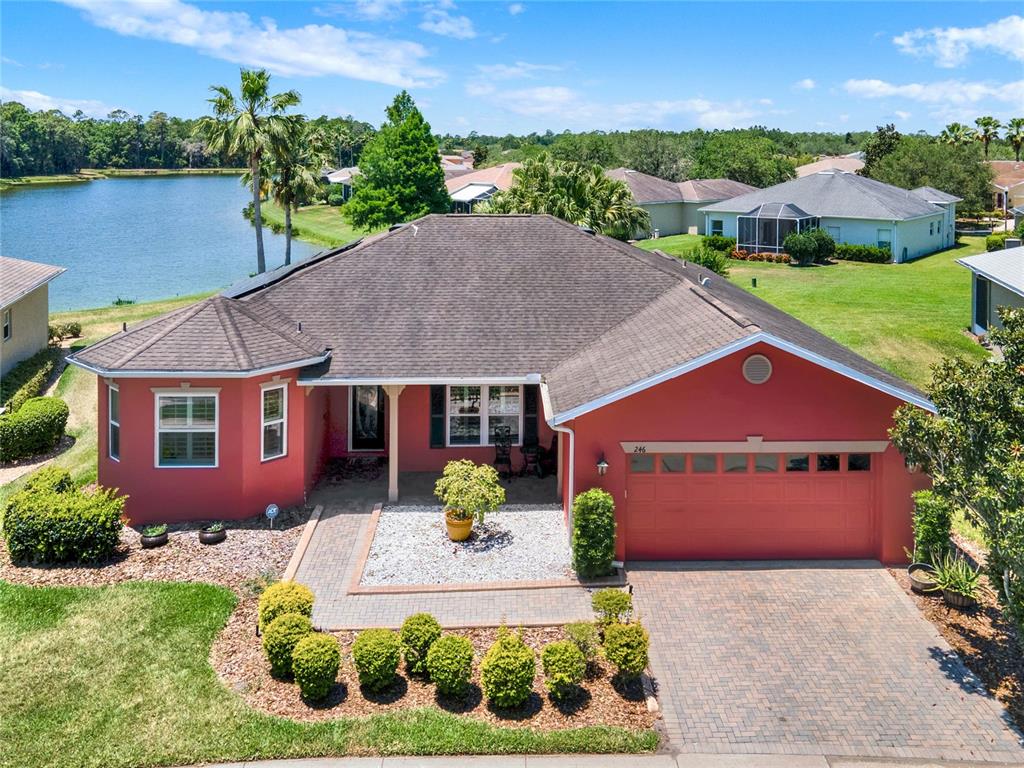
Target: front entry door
(367, 418)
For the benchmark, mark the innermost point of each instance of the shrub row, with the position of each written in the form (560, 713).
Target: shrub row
(870, 254)
(57, 332)
(719, 243)
(27, 379)
(36, 427)
(814, 246)
(49, 520)
(774, 258)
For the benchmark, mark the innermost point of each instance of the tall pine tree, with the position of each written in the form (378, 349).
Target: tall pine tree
(400, 176)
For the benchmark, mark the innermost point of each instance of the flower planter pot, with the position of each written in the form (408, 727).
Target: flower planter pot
(458, 530)
(922, 577)
(152, 542)
(956, 600)
(212, 537)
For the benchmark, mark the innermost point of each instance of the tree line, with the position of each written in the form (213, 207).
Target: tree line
(50, 142)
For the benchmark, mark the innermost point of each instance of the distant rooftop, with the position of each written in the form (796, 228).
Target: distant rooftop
(19, 277)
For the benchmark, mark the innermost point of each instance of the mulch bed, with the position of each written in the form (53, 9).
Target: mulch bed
(238, 658)
(988, 644)
(251, 553)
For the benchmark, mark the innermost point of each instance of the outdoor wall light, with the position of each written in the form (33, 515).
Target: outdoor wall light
(602, 466)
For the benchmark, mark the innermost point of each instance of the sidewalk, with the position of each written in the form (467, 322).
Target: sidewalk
(601, 761)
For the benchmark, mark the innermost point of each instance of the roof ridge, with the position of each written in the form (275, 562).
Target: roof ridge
(730, 312)
(865, 185)
(238, 347)
(188, 314)
(263, 323)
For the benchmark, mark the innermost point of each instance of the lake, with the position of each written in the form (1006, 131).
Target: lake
(137, 238)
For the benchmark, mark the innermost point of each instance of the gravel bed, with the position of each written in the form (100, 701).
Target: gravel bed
(519, 542)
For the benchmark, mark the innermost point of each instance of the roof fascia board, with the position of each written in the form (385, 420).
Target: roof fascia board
(165, 374)
(1019, 290)
(349, 381)
(34, 287)
(889, 219)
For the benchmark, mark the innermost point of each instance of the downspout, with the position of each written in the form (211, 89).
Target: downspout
(570, 475)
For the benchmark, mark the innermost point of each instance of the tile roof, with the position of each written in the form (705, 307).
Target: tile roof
(19, 277)
(1005, 267)
(647, 188)
(499, 176)
(1008, 173)
(712, 190)
(474, 296)
(933, 195)
(843, 163)
(834, 193)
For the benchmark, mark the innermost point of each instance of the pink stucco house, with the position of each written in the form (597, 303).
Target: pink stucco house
(726, 428)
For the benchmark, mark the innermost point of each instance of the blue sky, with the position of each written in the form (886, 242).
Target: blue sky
(522, 66)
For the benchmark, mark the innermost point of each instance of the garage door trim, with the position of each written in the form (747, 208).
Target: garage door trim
(756, 445)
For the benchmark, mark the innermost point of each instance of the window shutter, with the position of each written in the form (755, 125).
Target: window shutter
(531, 396)
(437, 416)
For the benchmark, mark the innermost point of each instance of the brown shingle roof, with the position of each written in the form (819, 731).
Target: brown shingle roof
(19, 277)
(647, 188)
(475, 296)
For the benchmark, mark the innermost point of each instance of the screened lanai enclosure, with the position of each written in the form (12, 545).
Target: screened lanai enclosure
(766, 227)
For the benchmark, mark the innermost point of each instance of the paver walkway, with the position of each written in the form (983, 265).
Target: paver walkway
(809, 658)
(329, 563)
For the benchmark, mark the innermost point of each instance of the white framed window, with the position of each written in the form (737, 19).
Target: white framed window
(274, 427)
(717, 226)
(7, 324)
(884, 238)
(113, 422)
(475, 411)
(186, 428)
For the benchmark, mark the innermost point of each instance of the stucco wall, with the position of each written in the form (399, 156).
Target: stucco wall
(919, 237)
(29, 321)
(667, 218)
(801, 401)
(1001, 297)
(693, 219)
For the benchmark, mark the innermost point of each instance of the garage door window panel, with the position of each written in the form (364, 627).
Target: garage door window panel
(858, 462)
(641, 463)
(704, 463)
(766, 462)
(828, 462)
(798, 462)
(673, 463)
(735, 463)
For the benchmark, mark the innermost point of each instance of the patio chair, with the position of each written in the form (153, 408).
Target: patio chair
(503, 451)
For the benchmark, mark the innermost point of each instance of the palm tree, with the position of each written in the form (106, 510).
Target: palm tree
(577, 193)
(252, 124)
(296, 165)
(957, 135)
(1015, 135)
(988, 131)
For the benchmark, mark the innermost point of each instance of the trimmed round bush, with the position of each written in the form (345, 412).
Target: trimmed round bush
(564, 667)
(593, 533)
(418, 633)
(284, 597)
(506, 674)
(36, 427)
(450, 664)
(625, 646)
(376, 653)
(280, 638)
(315, 663)
(49, 479)
(611, 605)
(584, 636)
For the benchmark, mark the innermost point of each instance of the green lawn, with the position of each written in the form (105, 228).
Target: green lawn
(119, 676)
(905, 317)
(321, 224)
(674, 245)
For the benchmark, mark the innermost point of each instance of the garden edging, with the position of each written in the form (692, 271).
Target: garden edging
(300, 548)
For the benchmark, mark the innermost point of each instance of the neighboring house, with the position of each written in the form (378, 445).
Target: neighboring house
(946, 202)
(460, 162)
(1008, 183)
(452, 165)
(998, 282)
(1018, 215)
(721, 426)
(674, 207)
(468, 189)
(848, 163)
(853, 209)
(342, 177)
(24, 309)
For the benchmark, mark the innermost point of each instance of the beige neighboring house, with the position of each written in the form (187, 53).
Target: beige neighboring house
(468, 189)
(1008, 184)
(847, 163)
(674, 207)
(24, 309)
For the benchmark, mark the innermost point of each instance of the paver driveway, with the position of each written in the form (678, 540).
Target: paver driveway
(816, 658)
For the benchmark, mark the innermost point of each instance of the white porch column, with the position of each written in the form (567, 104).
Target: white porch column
(393, 391)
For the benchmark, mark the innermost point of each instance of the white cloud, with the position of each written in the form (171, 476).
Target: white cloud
(369, 10)
(951, 46)
(948, 100)
(10, 62)
(439, 21)
(901, 114)
(516, 8)
(311, 50)
(35, 100)
(807, 84)
(520, 69)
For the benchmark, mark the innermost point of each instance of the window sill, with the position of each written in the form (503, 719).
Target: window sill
(274, 458)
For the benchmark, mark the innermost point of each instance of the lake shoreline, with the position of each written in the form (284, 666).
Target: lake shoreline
(96, 174)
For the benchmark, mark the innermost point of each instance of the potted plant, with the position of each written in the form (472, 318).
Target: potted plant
(468, 491)
(154, 536)
(957, 581)
(920, 573)
(214, 533)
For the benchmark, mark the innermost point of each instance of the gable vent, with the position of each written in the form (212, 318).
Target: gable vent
(757, 369)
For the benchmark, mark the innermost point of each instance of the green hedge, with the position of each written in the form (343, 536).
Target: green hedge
(47, 521)
(27, 379)
(871, 254)
(34, 428)
(719, 243)
(593, 533)
(997, 240)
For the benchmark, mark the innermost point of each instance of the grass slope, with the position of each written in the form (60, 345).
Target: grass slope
(674, 245)
(905, 317)
(119, 676)
(322, 224)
